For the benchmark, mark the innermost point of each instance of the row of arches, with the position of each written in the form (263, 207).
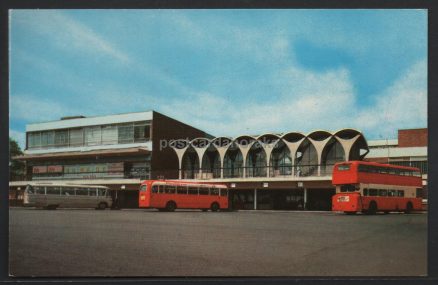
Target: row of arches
(268, 155)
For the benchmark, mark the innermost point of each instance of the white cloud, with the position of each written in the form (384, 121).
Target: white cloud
(67, 33)
(311, 100)
(308, 97)
(402, 105)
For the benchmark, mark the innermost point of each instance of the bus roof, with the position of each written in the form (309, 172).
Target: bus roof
(357, 162)
(61, 184)
(186, 183)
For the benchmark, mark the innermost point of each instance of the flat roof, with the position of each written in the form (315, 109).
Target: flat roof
(397, 152)
(91, 121)
(389, 142)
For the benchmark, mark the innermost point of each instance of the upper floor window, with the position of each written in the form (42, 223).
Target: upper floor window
(90, 136)
(141, 132)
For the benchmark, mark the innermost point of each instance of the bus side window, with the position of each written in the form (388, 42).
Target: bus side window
(53, 190)
(67, 191)
(372, 192)
(383, 192)
(365, 192)
(181, 189)
(224, 192)
(401, 193)
(193, 190)
(203, 190)
(92, 192)
(155, 189)
(170, 189)
(40, 190)
(81, 192)
(161, 188)
(214, 191)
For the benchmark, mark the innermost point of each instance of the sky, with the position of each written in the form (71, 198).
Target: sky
(227, 72)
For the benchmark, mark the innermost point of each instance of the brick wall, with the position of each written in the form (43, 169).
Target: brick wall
(412, 137)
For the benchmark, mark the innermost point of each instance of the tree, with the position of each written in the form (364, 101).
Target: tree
(16, 167)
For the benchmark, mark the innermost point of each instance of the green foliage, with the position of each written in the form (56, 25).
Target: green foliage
(16, 167)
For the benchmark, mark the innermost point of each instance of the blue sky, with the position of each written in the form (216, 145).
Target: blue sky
(228, 72)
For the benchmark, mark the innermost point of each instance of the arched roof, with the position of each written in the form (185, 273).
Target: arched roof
(247, 138)
(268, 138)
(200, 142)
(347, 133)
(319, 135)
(222, 141)
(293, 136)
(289, 137)
(179, 143)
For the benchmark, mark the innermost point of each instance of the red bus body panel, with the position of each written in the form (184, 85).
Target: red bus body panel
(148, 199)
(353, 176)
(358, 203)
(347, 202)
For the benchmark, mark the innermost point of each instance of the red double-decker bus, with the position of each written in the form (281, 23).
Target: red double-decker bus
(168, 195)
(370, 187)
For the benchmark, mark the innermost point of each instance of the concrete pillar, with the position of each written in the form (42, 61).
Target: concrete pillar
(180, 153)
(255, 199)
(293, 148)
(200, 152)
(245, 149)
(305, 199)
(347, 145)
(268, 148)
(222, 151)
(319, 146)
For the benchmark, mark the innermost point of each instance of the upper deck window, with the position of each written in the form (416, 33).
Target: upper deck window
(343, 167)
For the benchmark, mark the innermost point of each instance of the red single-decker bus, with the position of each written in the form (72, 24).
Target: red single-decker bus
(168, 195)
(370, 187)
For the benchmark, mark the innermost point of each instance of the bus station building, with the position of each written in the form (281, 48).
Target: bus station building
(279, 171)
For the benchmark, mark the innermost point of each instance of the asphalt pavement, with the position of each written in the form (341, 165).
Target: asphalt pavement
(194, 243)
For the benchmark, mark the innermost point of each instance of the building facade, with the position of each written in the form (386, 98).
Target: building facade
(409, 149)
(288, 171)
(117, 151)
(272, 171)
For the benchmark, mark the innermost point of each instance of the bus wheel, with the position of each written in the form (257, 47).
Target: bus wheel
(372, 208)
(408, 208)
(214, 207)
(101, 206)
(170, 206)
